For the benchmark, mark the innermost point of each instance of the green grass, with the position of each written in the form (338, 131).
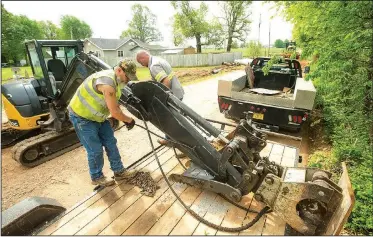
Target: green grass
(264, 51)
(6, 73)
(142, 73)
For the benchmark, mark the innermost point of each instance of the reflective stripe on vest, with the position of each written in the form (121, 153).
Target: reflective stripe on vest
(162, 74)
(89, 104)
(93, 93)
(89, 107)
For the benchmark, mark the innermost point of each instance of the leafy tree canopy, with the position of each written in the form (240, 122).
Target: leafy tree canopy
(73, 28)
(143, 25)
(337, 36)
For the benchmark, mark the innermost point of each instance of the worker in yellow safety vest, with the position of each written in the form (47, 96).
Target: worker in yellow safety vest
(161, 71)
(97, 98)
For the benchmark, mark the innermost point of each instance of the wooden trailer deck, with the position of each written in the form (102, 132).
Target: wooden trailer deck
(122, 210)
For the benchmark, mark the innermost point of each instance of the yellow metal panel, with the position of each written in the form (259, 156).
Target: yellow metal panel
(25, 123)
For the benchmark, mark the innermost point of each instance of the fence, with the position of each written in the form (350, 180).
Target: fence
(192, 60)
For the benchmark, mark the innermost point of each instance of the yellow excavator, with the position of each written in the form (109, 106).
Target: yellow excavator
(24, 104)
(38, 126)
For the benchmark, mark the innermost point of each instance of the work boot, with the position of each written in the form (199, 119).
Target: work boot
(125, 174)
(104, 181)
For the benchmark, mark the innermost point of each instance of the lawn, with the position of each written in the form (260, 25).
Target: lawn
(6, 73)
(142, 73)
(243, 50)
(191, 74)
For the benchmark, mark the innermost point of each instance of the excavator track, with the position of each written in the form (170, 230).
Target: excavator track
(49, 145)
(39, 149)
(10, 136)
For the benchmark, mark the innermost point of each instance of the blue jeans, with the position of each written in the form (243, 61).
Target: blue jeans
(93, 136)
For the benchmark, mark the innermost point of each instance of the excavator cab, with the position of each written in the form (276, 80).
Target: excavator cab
(50, 59)
(26, 101)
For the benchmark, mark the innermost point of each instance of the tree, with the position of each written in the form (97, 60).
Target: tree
(254, 49)
(234, 44)
(339, 35)
(73, 28)
(190, 22)
(143, 25)
(6, 33)
(178, 38)
(49, 30)
(279, 43)
(286, 41)
(16, 29)
(214, 35)
(236, 20)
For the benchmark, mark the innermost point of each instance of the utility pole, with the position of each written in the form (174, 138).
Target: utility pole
(269, 37)
(71, 32)
(260, 21)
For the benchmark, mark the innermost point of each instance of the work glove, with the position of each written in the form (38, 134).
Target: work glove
(130, 125)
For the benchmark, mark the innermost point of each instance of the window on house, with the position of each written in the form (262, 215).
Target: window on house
(120, 53)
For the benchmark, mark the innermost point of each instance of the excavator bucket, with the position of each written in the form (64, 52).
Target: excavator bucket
(343, 212)
(296, 202)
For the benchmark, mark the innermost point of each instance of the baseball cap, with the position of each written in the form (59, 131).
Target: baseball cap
(129, 68)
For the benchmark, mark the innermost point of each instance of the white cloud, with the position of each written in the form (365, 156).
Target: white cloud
(108, 19)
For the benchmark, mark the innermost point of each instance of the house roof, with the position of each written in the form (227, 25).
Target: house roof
(113, 44)
(148, 46)
(107, 44)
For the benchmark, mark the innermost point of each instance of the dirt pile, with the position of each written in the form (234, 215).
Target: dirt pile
(196, 73)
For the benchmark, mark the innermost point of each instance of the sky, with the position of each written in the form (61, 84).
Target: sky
(108, 19)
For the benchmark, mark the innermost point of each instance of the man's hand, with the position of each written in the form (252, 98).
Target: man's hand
(130, 125)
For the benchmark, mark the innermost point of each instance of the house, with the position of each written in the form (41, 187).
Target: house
(112, 50)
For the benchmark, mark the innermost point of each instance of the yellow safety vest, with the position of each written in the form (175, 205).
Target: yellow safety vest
(89, 104)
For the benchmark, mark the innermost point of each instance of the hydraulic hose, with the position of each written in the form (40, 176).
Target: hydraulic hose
(194, 214)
